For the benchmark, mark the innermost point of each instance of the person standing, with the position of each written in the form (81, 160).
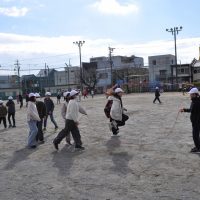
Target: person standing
(21, 100)
(194, 117)
(79, 95)
(11, 111)
(27, 99)
(117, 116)
(63, 114)
(92, 93)
(71, 123)
(41, 108)
(32, 119)
(58, 98)
(3, 113)
(157, 95)
(50, 108)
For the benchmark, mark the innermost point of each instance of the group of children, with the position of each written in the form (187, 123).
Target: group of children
(8, 109)
(38, 112)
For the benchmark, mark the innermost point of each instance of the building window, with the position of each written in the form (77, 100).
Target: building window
(153, 62)
(182, 71)
(103, 76)
(163, 72)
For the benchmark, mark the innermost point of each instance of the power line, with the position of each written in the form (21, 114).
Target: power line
(31, 69)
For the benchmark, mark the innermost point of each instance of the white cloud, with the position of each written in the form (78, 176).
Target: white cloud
(114, 8)
(14, 11)
(22, 47)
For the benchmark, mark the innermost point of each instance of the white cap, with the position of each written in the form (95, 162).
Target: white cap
(37, 95)
(31, 95)
(157, 88)
(48, 94)
(66, 93)
(117, 90)
(10, 98)
(1, 102)
(73, 92)
(193, 91)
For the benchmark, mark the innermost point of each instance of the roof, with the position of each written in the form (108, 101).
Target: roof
(44, 72)
(197, 63)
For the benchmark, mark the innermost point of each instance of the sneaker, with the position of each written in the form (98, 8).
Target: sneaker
(115, 132)
(32, 147)
(14, 126)
(41, 142)
(55, 145)
(56, 127)
(79, 147)
(10, 126)
(195, 150)
(44, 129)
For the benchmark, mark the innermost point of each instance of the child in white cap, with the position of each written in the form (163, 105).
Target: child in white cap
(157, 95)
(194, 117)
(3, 113)
(50, 108)
(32, 119)
(71, 123)
(11, 111)
(41, 108)
(117, 116)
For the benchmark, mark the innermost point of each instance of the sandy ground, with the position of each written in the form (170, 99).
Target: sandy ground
(149, 159)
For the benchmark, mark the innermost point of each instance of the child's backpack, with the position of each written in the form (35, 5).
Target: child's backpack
(107, 108)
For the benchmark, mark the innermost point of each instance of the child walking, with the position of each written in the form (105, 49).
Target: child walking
(71, 123)
(32, 119)
(3, 113)
(157, 94)
(11, 111)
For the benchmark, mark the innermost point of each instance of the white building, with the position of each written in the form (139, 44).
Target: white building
(160, 69)
(70, 78)
(118, 62)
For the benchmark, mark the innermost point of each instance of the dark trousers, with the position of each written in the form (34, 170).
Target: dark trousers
(4, 121)
(121, 123)
(21, 104)
(52, 119)
(13, 118)
(40, 135)
(156, 98)
(70, 126)
(195, 133)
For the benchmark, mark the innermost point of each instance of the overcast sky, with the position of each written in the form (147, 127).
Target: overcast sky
(43, 31)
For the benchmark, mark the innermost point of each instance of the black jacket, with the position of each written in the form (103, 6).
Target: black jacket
(49, 105)
(11, 106)
(194, 110)
(157, 93)
(41, 109)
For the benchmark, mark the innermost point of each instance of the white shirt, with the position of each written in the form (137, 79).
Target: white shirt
(72, 110)
(32, 113)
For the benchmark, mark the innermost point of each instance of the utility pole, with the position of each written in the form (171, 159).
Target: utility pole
(68, 65)
(174, 32)
(17, 68)
(48, 77)
(80, 44)
(111, 63)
